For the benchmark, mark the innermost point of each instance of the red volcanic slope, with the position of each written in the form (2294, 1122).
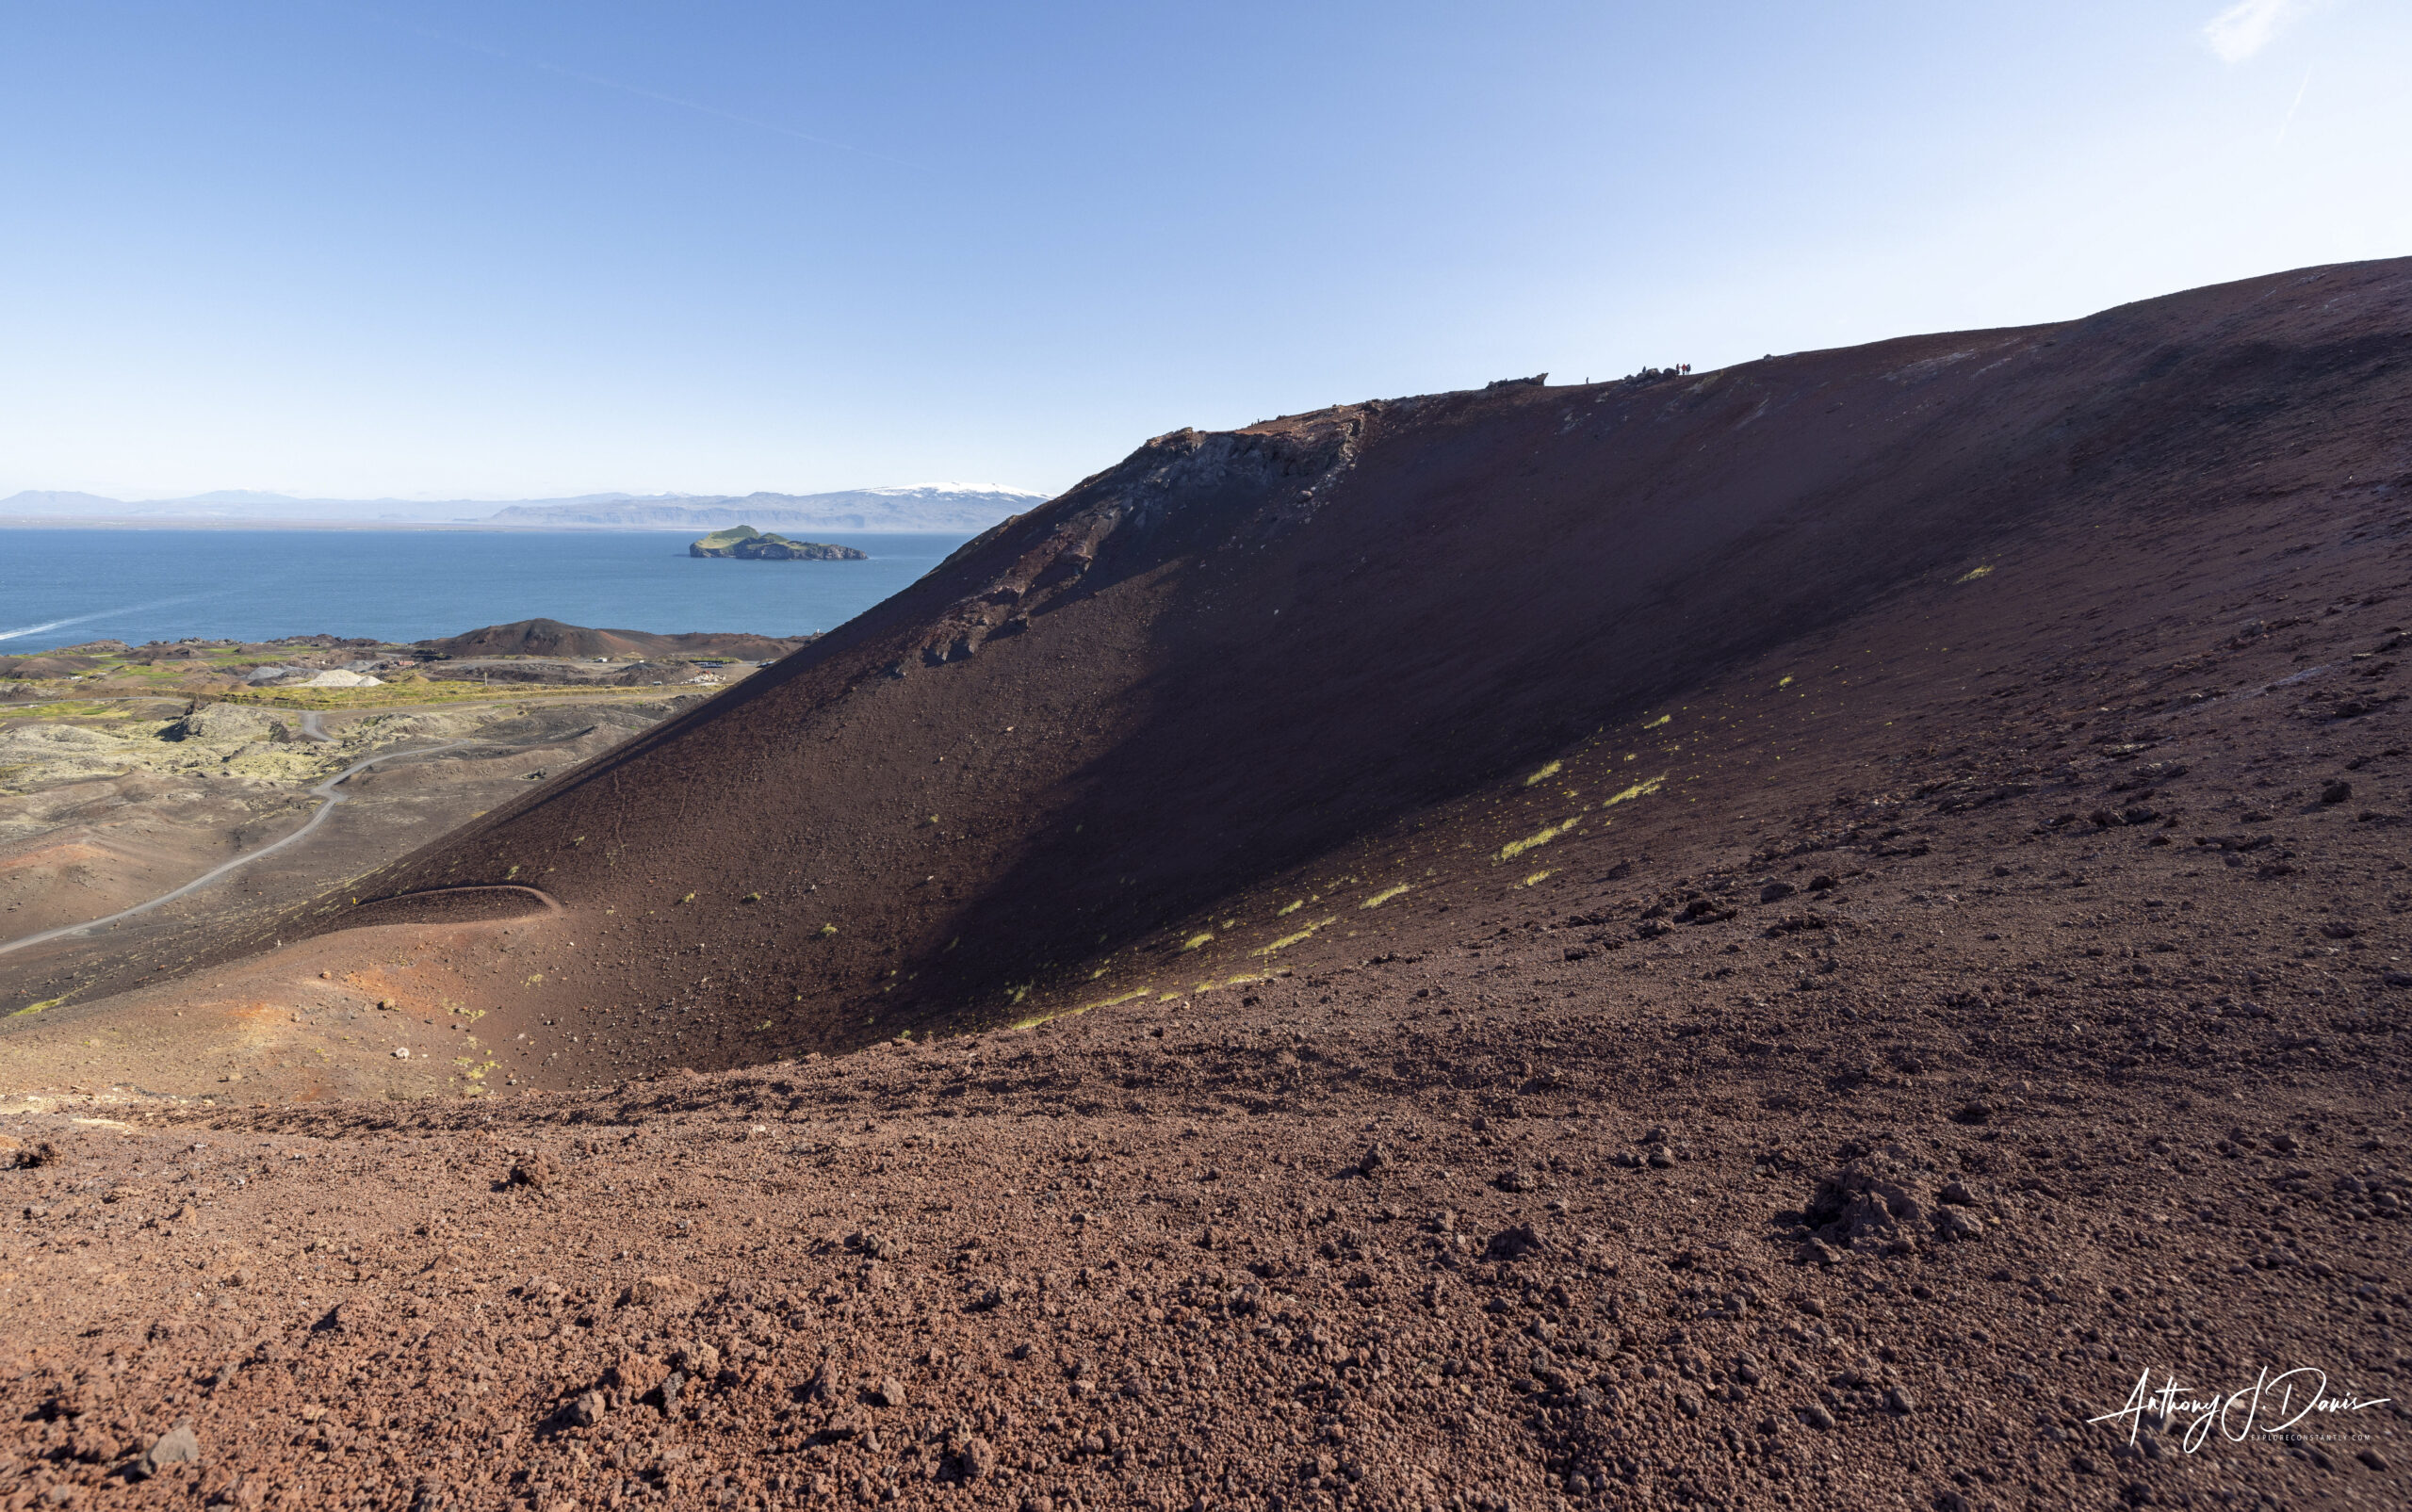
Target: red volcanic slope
(1769, 941)
(1233, 654)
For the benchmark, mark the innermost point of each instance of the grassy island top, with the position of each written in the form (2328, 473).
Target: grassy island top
(747, 544)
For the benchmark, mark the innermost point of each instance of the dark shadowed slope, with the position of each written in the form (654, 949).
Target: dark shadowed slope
(1232, 652)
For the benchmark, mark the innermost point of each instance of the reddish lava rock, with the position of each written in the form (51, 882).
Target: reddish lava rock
(1548, 947)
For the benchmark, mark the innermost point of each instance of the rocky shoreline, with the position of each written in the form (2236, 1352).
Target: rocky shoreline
(528, 651)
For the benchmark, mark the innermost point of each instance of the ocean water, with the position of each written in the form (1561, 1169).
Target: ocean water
(64, 586)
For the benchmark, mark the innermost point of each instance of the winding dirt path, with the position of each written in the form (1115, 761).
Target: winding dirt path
(327, 790)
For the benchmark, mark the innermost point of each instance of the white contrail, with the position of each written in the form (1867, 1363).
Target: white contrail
(2246, 27)
(80, 619)
(2292, 109)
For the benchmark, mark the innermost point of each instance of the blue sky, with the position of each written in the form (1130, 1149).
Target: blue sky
(507, 250)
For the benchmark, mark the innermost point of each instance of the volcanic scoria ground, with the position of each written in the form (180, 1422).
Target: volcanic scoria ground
(1823, 1043)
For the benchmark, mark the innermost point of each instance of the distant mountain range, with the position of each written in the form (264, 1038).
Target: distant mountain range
(934, 508)
(940, 507)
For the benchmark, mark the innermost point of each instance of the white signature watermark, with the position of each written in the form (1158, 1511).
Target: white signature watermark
(2288, 1398)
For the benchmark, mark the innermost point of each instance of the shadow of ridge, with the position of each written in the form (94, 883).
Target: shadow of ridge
(480, 902)
(1606, 589)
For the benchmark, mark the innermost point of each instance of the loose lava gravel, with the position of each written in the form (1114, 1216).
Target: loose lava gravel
(1864, 1078)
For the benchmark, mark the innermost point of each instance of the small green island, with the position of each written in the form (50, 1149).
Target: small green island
(747, 544)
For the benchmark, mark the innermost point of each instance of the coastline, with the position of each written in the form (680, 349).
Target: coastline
(65, 584)
(40, 522)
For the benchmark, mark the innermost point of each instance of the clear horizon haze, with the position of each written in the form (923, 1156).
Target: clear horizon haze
(445, 251)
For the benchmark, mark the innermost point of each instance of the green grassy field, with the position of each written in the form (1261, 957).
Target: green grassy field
(402, 694)
(52, 702)
(83, 708)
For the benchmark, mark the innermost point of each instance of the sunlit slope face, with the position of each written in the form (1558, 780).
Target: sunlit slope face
(1234, 652)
